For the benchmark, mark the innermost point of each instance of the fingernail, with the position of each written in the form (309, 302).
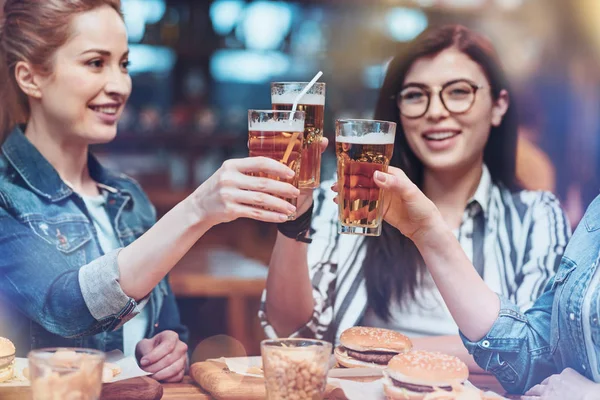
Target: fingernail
(297, 193)
(380, 177)
(283, 217)
(144, 362)
(291, 174)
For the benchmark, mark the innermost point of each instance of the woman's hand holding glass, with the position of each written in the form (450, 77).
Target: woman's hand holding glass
(230, 193)
(405, 206)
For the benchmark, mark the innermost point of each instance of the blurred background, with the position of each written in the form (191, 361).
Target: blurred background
(199, 65)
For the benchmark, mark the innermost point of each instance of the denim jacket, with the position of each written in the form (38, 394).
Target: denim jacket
(522, 349)
(57, 287)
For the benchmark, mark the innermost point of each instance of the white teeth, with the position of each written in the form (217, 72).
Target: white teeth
(440, 135)
(111, 110)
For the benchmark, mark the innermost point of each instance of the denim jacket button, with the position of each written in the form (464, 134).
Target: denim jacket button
(485, 343)
(572, 317)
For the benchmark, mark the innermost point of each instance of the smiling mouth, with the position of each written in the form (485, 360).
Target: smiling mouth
(108, 110)
(440, 136)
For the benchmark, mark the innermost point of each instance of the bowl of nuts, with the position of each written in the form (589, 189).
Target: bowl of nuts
(65, 374)
(295, 368)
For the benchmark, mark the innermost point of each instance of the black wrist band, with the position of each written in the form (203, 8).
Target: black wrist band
(298, 228)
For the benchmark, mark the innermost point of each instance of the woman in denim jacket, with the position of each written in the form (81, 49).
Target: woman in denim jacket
(552, 350)
(82, 261)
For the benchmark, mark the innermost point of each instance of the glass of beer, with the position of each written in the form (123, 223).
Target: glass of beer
(283, 95)
(278, 135)
(362, 147)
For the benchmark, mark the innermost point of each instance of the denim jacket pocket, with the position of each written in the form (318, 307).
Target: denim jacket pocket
(567, 266)
(558, 285)
(68, 235)
(502, 370)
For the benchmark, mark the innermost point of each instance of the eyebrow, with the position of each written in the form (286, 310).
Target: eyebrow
(421, 84)
(105, 53)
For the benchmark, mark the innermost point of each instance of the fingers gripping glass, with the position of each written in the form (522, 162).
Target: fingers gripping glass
(456, 96)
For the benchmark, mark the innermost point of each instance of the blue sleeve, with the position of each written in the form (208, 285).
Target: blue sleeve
(38, 280)
(517, 348)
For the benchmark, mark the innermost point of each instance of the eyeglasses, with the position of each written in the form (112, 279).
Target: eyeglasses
(456, 96)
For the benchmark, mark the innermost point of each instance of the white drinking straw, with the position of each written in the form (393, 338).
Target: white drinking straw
(290, 147)
(303, 92)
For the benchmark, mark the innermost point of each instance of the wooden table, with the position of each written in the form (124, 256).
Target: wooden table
(188, 389)
(224, 274)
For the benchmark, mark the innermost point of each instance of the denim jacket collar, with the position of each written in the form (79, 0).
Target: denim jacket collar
(40, 175)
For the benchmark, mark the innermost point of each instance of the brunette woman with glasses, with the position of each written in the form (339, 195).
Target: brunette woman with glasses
(456, 140)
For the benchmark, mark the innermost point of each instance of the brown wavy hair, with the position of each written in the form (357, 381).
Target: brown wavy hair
(32, 31)
(393, 265)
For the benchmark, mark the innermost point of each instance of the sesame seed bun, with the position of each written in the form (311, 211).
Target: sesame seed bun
(362, 338)
(426, 368)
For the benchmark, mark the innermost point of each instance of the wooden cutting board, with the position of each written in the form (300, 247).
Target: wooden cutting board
(142, 388)
(222, 384)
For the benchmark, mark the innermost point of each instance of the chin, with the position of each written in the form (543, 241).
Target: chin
(450, 162)
(443, 165)
(101, 136)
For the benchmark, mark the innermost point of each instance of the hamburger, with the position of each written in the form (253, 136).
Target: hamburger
(370, 347)
(413, 375)
(7, 359)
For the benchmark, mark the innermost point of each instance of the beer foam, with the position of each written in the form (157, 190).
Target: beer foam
(369, 138)
(278, 126)
(310, 99)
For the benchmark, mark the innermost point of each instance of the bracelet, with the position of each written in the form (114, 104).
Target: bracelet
(298, 228)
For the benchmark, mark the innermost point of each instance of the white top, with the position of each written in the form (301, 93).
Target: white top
(135, 329)
(587, 329)
(427, 316)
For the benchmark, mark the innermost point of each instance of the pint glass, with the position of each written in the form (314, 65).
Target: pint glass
(277, 135)
(283, 95)
(362, 147)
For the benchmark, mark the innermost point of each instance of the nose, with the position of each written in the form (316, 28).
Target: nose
(436, 110)
(118, 83)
